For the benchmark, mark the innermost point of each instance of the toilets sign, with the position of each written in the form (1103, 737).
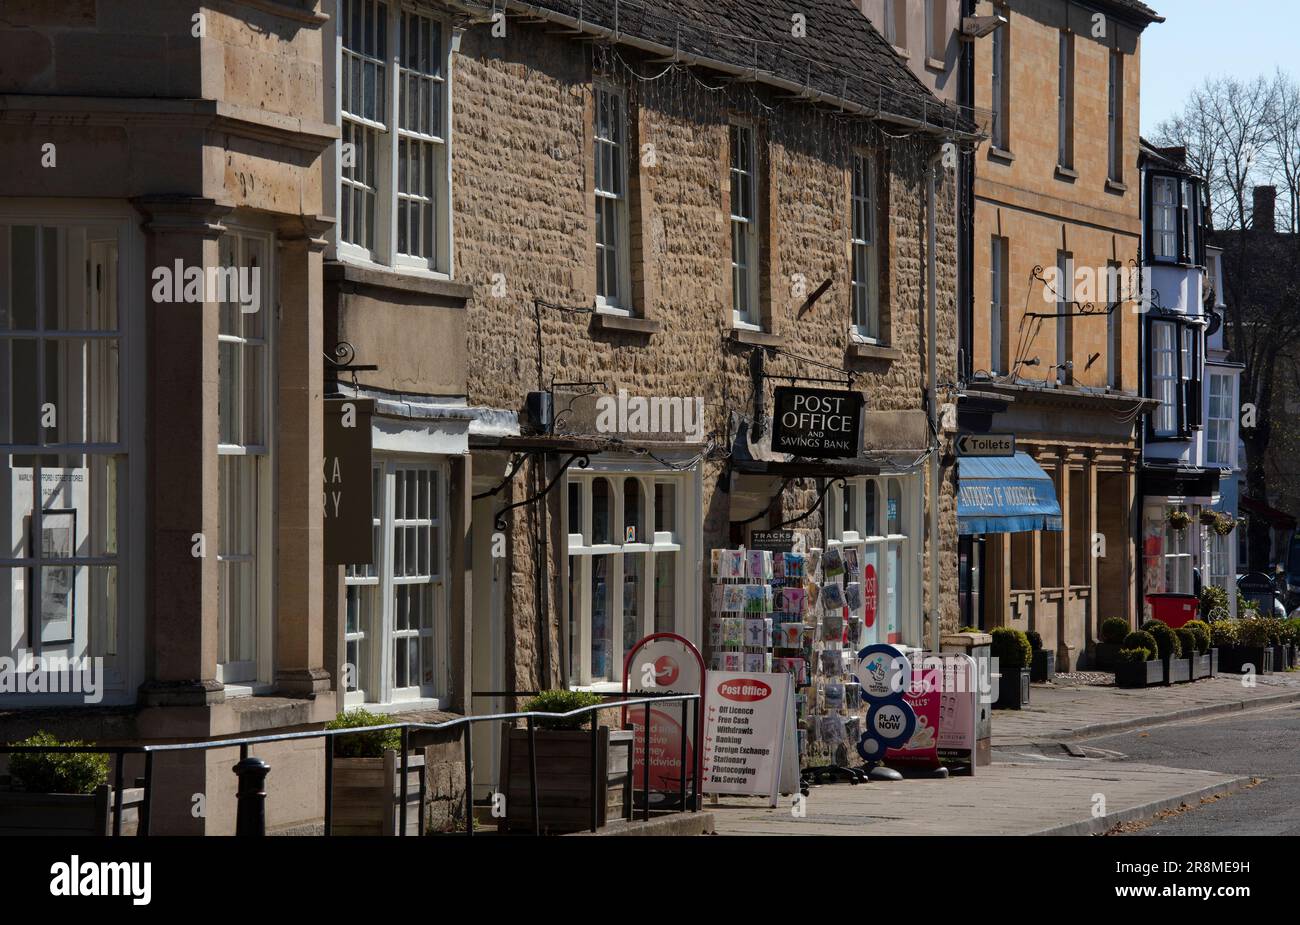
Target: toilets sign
(821, 423)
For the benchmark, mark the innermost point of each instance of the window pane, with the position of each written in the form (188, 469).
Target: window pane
(633, 515)
(665, 592)
(666, 508)
(601, 513)
(602, 630)
(633, 569)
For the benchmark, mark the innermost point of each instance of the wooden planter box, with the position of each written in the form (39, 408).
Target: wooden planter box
(1105, 655)
(1178, 670)
(1013, 690)
(1200, 666)
(1214, 661)
(68, 813)
(1043, 667)
(564, 778)
(368, 795)
(1282, 659)
(1140, 674)
(1231, 661)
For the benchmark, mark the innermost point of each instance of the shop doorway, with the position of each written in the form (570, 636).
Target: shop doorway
(487, 673)
(970, 580)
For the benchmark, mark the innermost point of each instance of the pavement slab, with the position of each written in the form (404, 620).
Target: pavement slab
(1026, 795)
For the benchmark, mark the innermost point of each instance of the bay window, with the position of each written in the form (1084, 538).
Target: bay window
(64, 440)
(1174, 223)
(864, 285)
(395, 636)
(631, 566)
(394, 194)
(879, 517)
(244, 478)
(1174, 377)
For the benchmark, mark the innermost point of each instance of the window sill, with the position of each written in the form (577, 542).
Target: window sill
(623, 324)
(1066, 173)
(1115, 186)
(901, 51)
(350, 275)
(758, 338)
(1001, 154)
(861, 351)
(935, 64)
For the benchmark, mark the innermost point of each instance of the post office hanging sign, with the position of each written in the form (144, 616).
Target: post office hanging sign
(821, 423)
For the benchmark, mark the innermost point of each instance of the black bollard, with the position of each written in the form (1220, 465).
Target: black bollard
(250, 816)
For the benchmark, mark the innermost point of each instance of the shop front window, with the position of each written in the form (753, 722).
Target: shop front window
(396, 633)
(877, 515)
(63, 440)
(1178, 554)
(627, 567)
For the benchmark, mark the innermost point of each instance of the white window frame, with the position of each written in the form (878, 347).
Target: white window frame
(1164, 377)
(904, 542)
(1224, 421)
(364, 584)
(1179, 553)
(746, 312)
(123, 664)
(618, 302)
(864, 255)
(242, 676)
(936, 33)
(377, 659)
(581, 551)
(383, 251)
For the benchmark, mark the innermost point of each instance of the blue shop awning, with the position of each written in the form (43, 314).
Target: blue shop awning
(1007, 494)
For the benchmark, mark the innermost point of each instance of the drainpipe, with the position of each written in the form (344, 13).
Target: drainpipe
(932, 388)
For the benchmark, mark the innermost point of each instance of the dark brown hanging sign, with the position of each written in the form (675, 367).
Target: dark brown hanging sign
(821, 423)
(348, 517)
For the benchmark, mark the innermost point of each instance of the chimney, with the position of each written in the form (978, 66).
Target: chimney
(1261, 216)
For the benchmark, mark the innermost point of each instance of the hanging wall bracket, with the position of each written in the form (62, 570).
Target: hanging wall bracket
(583, 462)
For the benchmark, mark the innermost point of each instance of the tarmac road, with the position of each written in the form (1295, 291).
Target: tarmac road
(1256, 743)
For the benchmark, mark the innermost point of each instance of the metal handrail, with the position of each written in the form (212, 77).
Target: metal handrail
(253, 819)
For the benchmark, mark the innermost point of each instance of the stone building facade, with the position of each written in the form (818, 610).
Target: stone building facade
(1057, 198)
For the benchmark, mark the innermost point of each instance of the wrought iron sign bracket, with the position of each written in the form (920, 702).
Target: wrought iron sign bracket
(514, 469)
(339, 360)
(821, 496)
(583, 462)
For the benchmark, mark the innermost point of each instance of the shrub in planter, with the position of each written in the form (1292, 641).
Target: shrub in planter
(1141, 639)
(564, 764)
(1213, 598)
(1042, 666)
(55, 793)
(1014, 654)
(1137, 665)
(1165, 638)
(1200, 630)
(1224, 633)
(1113, 630)
(1186, 641)
(54, 772)
(1252, 645)
(368, 777)
(1205, 659)
(1110, 636)
(1246, 608)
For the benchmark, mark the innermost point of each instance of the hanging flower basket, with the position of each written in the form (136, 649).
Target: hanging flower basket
(1224, 524)
(1179, 519)
(1209, 518)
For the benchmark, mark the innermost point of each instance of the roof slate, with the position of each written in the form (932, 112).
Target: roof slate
(841, 55)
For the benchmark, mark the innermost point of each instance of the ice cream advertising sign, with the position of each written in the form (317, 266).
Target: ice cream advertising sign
(924, 697)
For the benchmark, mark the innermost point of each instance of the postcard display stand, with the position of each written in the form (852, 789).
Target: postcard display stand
(771, 613)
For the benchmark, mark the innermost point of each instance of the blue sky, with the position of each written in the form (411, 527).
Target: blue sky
(1211, 38)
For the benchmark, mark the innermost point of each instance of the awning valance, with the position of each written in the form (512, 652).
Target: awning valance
(1007, 494)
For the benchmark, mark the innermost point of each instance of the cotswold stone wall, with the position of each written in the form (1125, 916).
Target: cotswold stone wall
(524, 229)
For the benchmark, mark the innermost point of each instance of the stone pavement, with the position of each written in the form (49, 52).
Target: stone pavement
(1030, 788)
(1057, 713)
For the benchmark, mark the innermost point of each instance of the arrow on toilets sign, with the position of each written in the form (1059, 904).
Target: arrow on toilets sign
(986, 445)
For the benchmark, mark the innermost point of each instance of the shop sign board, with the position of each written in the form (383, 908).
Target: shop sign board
(959, 713)
(663, 663)
(882, 672)
(923, 695)
(772, 540)
(820, 423)
(986, 445)
(348, 489)
(746, 732)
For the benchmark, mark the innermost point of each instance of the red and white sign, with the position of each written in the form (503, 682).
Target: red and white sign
(869, 596)
(745, 732)
(663, 663)
(924, 697)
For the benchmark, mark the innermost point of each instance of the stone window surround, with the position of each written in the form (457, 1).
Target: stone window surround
(384, 255)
